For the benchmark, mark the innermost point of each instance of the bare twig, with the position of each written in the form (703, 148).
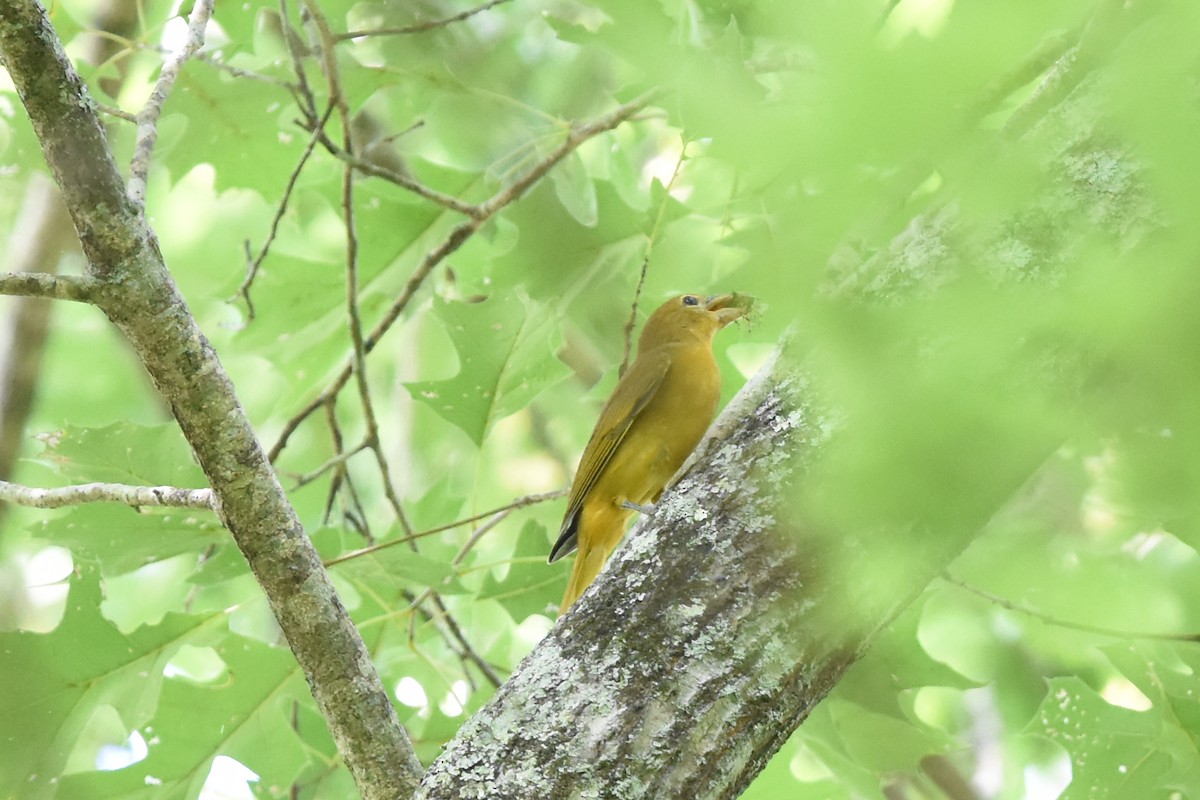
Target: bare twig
(1111, 22)
(478, 534)
(420, 27)
(147, 118)
(1062, 623)
(303, 93)
(468, 653)
(339, 458)
(113, 111)
(79, 288)
(448, 628)
(403, 181)
(354, 316)
(577, 135)
(651, 238)
(340, 471)
(455, 239)
(218, 64)
(107, 493)
(238, 72)
(520, 502)
(252, 267)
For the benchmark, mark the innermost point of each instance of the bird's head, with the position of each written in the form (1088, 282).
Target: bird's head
(691, 316)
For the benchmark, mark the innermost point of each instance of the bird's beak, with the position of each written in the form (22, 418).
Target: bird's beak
(729, 307)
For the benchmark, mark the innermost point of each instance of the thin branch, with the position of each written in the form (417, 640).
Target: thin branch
(1062, 623)
(243, 290)
(651, 238)
(468, 653)
(353, 313)
(79, 288)
(238, 72)
(577, 135)
(403, 181)
(136, 496)
(113, 111)
(302, 92)
(457, 236)
(520, 502)
(147, 118)
(339, 458)
(420, 27)
(1112, 21)
(479, 533)
(342, 473)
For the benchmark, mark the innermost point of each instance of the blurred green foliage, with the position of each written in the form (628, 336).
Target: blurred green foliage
(983, 244)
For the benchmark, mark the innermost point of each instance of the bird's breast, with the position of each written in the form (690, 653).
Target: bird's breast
(666, 430)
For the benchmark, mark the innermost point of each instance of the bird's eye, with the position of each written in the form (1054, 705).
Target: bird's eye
(689, 300)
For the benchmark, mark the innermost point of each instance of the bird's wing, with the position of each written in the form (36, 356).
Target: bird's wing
(633, 392)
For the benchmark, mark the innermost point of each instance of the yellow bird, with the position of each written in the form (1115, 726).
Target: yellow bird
(661, 407)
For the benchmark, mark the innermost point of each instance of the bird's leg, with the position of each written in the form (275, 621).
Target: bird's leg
(647, 510)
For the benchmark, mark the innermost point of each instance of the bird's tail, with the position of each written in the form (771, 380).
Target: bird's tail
(587, 567)
(600, 531)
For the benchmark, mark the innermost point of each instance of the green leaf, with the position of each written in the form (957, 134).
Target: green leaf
(1165, 672)
(882, 742)
(505, 360)
(401, 563)
(897, 662)
(123, 452)
(242, 127)
(556, 256)
(246, 715)
(121, 539)
(474, 129)
(1115, 752)
(576, 190)
(55, 682)
(531, 583)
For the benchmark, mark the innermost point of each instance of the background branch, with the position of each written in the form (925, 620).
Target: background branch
(147, 118)
(78, 288)
(136, 496)
(421, 27)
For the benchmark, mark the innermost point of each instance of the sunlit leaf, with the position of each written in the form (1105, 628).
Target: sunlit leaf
(123, 452)
(121, 539)
(66, 675)
(523, 590)
(504, 361)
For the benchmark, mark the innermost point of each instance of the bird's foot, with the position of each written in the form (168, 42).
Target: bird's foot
(647, 510)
